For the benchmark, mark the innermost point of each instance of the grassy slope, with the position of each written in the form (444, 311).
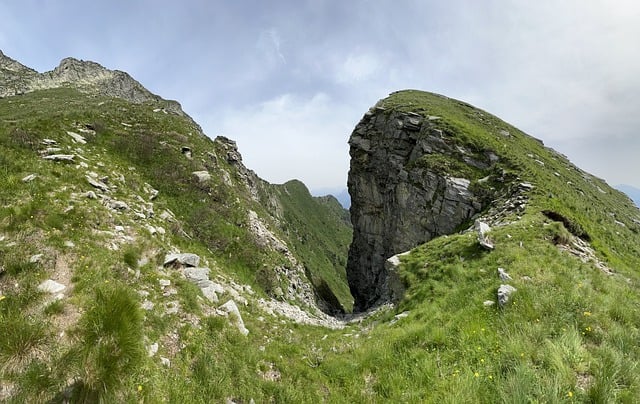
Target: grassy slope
(319, 232)
(570, 334)
(43, 215)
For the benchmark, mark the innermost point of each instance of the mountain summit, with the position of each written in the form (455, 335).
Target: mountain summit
(86, 76)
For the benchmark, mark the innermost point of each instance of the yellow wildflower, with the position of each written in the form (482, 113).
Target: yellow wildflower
(587, 313)
(476, 374)
(139, 387)
(570, 394)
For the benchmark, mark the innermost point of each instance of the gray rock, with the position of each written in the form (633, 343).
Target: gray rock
(504, 276)
(51, 286)
(504, 294)
(199, 276)
(209, 292)
(29, 178)
(91, 195)
(48, 142)
(172, 307)
(77, 138)
(165, 361)
(118, 205)
(202, 176)
(231, 309)
(185, 259)
(482, 230)
(97, 184)
(388, 190)
(69, 158)
(35, 258)
(393, 288)
(152, 349)
(488, 303)
(164, 282)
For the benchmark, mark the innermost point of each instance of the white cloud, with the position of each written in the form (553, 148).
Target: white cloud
(269, 44)
(292, 136)
(357, 67)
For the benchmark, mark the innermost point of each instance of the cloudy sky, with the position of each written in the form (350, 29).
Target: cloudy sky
(288, 80)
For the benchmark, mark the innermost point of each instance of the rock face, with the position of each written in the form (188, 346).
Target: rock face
(400, 195)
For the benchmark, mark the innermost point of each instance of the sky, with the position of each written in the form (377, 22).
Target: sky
(289, 80)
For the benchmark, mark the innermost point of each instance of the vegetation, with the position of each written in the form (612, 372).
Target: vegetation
(569, 334)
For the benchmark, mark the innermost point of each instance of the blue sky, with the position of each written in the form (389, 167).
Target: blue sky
(288, 80)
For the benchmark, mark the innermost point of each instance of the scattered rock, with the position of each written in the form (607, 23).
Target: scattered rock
(69, 244)
(147, 305)
(118, 205)
(199, 276)
(35, 258)
(184, 259)
(172, 307)
(186, 151)
(482, 228)
(29, 178)
(504, 276)
(51, 286)
(164, 282)
(231, 309)
(152, 349)
(504, 294)
(488, 303)
(77, 138)
(48, 142)
(165, 361)
(61, 157)
(97, 184)
(209, 292)
(91, 195)
(202, 176)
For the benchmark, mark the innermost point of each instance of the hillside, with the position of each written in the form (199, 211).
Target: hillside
(141, 261)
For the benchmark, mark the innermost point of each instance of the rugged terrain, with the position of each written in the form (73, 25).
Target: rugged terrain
(141, 260)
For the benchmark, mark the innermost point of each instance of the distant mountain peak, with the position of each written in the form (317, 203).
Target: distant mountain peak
(85, 76)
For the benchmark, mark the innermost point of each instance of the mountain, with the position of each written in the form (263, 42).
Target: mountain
(631, 192)
(341, 194)
(141, 260)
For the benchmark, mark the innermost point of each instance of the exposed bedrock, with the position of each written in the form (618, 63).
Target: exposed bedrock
(400, 195)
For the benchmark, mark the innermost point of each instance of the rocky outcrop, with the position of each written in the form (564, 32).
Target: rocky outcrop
(85, 76)
(404, 191)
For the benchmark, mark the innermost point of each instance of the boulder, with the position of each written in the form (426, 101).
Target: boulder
(184, 259)
(202, 176)
(199, 276)
(504, 294)
(483, 239)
